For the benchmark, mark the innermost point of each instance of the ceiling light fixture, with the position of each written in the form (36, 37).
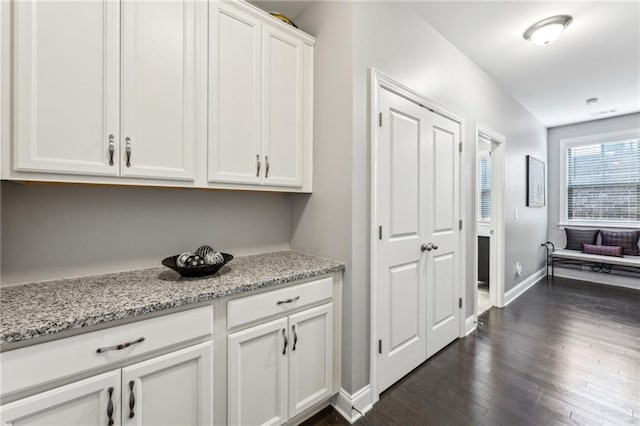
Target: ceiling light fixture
(592, 101)
(548, 30)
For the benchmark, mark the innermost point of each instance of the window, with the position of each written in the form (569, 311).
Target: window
(602, 181)
(484, 206)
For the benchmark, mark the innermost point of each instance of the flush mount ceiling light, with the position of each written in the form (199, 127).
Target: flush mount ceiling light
(592, 101)
(548, 30)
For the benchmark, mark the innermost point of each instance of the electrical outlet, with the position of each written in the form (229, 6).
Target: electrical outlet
(518, 269)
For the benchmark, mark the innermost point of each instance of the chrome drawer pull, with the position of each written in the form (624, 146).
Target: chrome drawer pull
(295, 337)
(286, 341)
(257, 165)
(266, 172)
(127, 150)
(110, 421)
(119, 347)
(112, 150)
(282, 302)
(132, 400)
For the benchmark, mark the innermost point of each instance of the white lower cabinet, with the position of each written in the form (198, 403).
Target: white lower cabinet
(93, 401)
(278, 369)
(175, 388)
(310, 358)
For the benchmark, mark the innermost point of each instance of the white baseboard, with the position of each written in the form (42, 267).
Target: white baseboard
(525, 285)
(343, 403)
(598, 278)
(469, 325)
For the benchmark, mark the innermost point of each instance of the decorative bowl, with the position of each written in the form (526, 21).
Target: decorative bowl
(283, 18)
(195, 271)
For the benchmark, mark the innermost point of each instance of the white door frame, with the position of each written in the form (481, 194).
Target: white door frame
(377, 81)
(497, 238)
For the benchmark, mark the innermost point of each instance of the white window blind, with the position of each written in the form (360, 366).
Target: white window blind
(485, 190)
(603, 181)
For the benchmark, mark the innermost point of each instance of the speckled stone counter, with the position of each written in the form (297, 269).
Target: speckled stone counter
(31, 310)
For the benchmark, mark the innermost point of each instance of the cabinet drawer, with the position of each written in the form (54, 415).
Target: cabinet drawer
(253, 308)
(58, 359)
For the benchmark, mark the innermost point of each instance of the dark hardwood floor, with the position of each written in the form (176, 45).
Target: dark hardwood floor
(565, 352)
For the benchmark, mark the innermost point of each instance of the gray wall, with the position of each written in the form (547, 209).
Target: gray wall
(412, 52)
(321, 223)
(396, 41)
(51, 232)
(555, 134)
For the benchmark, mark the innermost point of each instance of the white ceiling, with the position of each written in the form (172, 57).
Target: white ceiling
(597, 56)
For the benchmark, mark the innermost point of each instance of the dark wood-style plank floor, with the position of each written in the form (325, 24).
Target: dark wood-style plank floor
(565, 352)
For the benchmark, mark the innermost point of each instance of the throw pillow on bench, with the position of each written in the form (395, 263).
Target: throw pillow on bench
(602, 250)
(577, 237)
(628, 240)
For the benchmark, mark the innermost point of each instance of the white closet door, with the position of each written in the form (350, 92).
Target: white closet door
(66, 75)
(401, 211)
(90, 402)
(283, 86)
(235, 153)
(443, 267)
(158, 89)
(310, 358)
(257, 375)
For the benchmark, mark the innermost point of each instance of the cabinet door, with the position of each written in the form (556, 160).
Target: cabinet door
(172, 389)
(257, 375)
(310, 358)
(283, 108)
(66, 82)
(234, 95)
(158, 89)
(89, 402)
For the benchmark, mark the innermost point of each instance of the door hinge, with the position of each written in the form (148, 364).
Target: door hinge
(380, 119)
(460, 303)
(380, 232)
(380, 346)
(460, 147)
(460, 225)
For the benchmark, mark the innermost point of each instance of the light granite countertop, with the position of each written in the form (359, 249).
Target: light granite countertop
(28, 311)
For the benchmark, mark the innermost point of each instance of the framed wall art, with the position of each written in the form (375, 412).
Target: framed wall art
(535, 182)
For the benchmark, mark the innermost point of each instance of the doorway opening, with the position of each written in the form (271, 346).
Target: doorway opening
(489, 247)
(483, 211)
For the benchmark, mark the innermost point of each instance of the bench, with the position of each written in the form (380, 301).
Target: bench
(626, 266)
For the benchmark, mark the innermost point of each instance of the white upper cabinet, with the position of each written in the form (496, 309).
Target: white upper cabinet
(158, 89)
(234, 99)
(205, 94)
(66, 86)
(261, 89)
(283, 97)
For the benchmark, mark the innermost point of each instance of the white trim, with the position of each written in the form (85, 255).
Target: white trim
(379, 80)
(525, 285)
(497, 240)
(343, 403)
(469, 325)
(562, 190)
